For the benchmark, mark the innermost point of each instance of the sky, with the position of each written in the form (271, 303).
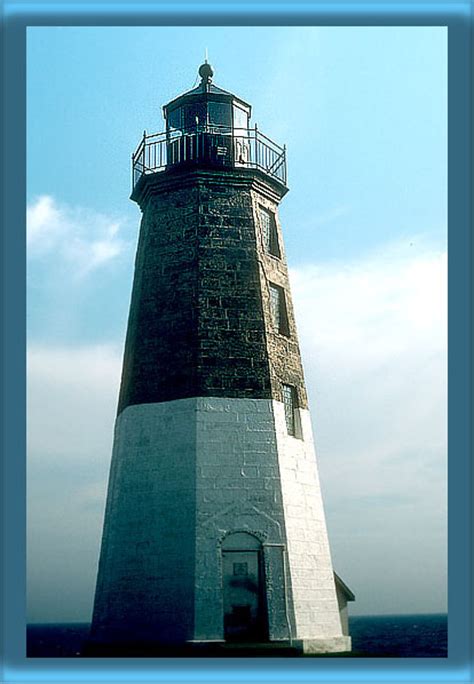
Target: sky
(363, 112)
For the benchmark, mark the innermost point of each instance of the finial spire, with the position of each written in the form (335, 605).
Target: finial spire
(206, 73)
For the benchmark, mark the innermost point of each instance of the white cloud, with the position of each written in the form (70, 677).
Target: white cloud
(43, 222)
(82, 238)
(373, 334)
(72, 400)
(329, 216)
(72, 396)
(369, 310)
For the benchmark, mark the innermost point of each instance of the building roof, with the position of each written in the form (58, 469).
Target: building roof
(342, 586)
(205, 87)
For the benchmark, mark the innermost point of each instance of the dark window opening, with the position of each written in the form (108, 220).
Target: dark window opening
(278, 310)
(290, 404)
(219, 116)
(269, 232)
(194, 116)
(213, 117)
(240, 569)
(174, 118)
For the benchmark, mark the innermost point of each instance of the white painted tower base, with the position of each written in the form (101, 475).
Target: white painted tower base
(185, 475)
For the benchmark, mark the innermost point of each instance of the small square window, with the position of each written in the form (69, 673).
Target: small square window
(241, 569)
(269, 232)
(290, 403)
(278, 309)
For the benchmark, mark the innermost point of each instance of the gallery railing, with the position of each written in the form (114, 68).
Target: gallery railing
(212, 145)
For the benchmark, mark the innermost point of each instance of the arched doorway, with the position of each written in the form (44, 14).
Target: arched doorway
(243, 588)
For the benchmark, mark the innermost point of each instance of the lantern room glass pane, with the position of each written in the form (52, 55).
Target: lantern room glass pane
(241, 117)
(219, 114)
(194, 116)
(174, 118)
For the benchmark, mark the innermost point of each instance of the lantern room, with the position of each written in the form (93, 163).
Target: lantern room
(207, 127)
(207, 108)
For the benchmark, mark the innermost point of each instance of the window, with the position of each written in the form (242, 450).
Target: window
(241, 569)
(278, 309)
(269, 232)
(194, 116)
(174, 118)
(219, 115)
(241, 118)
(289, 402)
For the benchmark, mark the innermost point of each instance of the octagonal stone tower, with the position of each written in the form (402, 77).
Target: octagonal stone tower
(214, 526)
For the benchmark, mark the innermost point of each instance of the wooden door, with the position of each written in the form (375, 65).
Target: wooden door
(242, 587)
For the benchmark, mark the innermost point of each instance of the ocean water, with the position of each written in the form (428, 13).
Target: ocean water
(397, 636)
(400, 636)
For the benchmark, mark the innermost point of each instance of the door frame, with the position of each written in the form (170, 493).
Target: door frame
(235, 541)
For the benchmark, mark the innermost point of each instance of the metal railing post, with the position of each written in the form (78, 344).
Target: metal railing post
(256, 147)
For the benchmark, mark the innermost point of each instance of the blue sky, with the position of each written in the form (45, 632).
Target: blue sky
(363, 112)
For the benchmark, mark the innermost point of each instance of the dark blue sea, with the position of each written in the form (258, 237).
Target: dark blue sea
(396, 636)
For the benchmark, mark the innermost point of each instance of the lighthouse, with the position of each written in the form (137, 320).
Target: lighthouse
(214, 529)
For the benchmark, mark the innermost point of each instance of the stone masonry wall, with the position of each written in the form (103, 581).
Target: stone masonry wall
(185, 474)
(310, 567)
(238, 489)
(283, 349)
(312, 578)
(196, 326)
(145, 584)
(201, 446)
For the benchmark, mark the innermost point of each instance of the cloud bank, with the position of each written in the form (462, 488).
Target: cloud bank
(79, 273)
(72, 394)
(85, 240)
(72, 400)
(373, 338)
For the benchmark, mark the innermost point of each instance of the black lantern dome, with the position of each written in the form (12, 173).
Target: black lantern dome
(207, 108)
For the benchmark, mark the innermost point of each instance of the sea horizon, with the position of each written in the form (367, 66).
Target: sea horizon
(398, 635)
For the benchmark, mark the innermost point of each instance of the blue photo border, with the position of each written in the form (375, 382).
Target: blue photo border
(457, 16)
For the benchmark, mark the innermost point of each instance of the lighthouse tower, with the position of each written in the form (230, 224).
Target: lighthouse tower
(214, 526)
